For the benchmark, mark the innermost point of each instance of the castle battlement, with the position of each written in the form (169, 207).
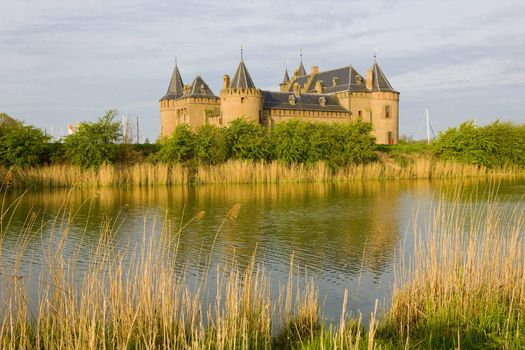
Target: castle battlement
(337, 95)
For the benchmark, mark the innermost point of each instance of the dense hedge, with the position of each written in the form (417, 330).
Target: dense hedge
(99, 142)
(494, 145)
(291, 143)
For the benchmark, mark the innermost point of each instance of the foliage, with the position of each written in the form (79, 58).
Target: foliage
(94, 143)
(353, 143)
(494, 145)
(338, 144)
(180, 147)
(291, 142)
(211, 145)
(247, 140)
(21, 145)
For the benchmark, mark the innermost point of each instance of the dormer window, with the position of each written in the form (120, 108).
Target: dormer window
(359, 79)
(291, 100)
(322, 101)
(202, 89)
(335, 81)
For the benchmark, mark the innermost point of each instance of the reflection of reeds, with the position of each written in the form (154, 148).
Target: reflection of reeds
(462, 286)
(135, 298)
(242, 171)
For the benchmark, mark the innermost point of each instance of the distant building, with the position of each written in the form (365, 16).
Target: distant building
(334, 96)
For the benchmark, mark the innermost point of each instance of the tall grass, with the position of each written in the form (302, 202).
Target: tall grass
(243, 171)
(135, 298)
(464, 285)
(461, 285)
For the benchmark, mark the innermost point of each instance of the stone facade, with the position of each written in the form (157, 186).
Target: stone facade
(334, 96)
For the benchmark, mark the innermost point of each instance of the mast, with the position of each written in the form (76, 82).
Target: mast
(428, 127)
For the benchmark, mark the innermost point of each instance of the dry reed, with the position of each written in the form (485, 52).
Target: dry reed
(464, 284)
(136, 298)
(242, 171)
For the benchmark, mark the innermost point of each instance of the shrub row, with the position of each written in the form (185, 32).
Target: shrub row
(290, 142)
(497, 144)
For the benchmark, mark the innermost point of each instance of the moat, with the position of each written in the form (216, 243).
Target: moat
(343, 236)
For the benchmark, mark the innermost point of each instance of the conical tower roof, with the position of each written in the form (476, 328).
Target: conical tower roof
(301, 71)
(175, 89)
(242, 79)
(379, 80)
(286, 78)
(199, 88)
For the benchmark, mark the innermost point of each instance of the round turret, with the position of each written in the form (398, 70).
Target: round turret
(240, 98)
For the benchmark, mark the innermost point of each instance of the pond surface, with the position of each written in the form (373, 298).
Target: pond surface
(344, 236)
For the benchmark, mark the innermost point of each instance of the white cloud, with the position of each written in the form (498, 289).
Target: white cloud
(76, 57)
(484, 73)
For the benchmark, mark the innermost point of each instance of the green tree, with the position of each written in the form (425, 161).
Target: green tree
(291, 141)
(211, 145)
(493, 145)
(353, 144)
(94, 143)
(247, 140)
(179, 147)
(21, 145)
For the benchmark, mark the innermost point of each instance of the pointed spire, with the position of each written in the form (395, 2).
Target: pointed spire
(175, 89)
(242, 79)
(379, 80)
(286, 78)
(301, 71)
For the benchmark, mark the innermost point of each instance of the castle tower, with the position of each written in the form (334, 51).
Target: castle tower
(168, 101)
(285, 85)
(240, 98)
(384, 106)
(301, 71)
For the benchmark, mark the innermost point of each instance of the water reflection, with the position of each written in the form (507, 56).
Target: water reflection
(347, 235)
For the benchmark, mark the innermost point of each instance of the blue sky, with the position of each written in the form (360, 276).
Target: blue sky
(68, 61)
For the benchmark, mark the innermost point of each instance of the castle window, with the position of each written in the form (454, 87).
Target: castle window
(387, 111)
(242, 99)
(360, 114)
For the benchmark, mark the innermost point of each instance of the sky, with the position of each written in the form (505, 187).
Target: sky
(69, 61)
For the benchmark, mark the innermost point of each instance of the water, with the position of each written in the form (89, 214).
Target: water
(344, 236)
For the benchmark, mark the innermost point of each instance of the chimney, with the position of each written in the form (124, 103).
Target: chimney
(369, 78)
(315, 70)
(226, 81)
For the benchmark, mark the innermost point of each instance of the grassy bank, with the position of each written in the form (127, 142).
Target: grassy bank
(462, 286)
(245, 171)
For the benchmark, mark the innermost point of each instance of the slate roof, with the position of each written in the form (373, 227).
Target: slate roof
(199, 88)
(379, 80)
(242, 79)
(301, 70)
(345, 81)
(175, 89)
(308, 102)
(286, 78)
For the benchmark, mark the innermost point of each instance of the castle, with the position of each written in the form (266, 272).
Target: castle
(335, 96)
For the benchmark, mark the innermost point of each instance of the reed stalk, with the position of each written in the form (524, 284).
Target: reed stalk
(242, 171)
